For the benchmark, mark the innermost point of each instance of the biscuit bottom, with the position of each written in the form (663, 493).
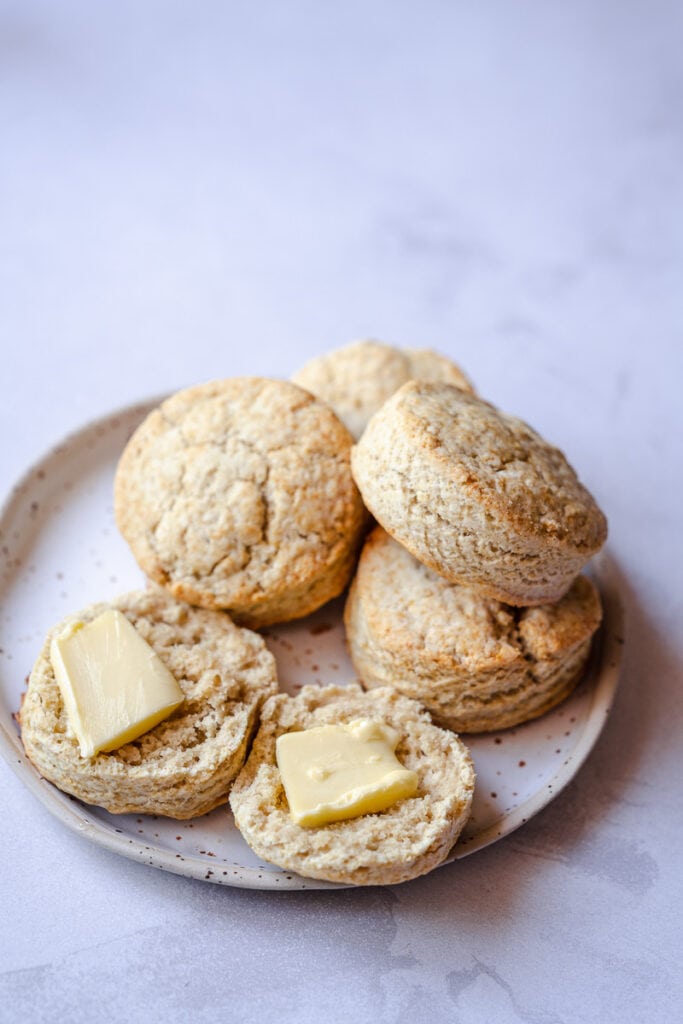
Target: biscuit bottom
(475, 663)
(406, 840)
(185, 765)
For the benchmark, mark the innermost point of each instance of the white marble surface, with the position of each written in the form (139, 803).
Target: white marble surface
(208, 189)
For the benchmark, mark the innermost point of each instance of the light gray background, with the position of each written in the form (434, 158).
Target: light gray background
(191, 190)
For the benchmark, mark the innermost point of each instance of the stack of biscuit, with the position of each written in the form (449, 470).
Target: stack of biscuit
(246, 503)
(467, 595)
(470, 597)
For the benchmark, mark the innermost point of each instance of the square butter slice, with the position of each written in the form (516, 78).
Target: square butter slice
(334, 772)
(115, 687)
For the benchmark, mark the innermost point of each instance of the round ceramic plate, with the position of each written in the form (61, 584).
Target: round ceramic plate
(61, 551)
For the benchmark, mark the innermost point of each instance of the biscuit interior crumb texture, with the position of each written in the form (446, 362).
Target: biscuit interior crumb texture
(476, 494)
(238, 494)
(407, 839)
(185, 765)
(357, 379)
(476, 664)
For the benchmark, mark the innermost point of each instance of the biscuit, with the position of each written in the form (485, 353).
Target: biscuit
(357, 379)
(238, 495)
(474, 663)
(184, 766)
(407, 839)
(476, 494)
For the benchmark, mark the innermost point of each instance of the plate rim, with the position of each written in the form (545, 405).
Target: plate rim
(605, 667)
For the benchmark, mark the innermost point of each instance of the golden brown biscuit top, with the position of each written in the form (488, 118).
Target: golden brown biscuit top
(234, 486)
(357, 379)
(500, 461)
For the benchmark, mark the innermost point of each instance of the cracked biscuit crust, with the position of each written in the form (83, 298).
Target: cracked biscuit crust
(476, 494)
(406, 840)
(185, 765)
(476, 664)
(357, 379)
(237, 494)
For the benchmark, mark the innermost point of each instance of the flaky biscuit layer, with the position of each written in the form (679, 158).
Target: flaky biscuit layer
(475, 663)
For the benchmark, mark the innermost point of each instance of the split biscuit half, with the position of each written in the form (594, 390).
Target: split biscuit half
(184, 766)
(409, 838)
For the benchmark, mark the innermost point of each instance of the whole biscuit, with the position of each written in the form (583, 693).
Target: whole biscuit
(357, 379)
(237, 494)
(477, 665)
(185, 765)
(407, 839)
(476, 494)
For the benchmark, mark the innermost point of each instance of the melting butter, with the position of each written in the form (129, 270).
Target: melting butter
(115, 687)
(334, 772)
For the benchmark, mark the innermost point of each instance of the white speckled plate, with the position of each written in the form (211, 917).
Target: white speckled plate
(60, 550)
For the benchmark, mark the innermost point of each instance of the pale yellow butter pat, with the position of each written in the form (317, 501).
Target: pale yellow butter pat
(334, 772)
(114, 686)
